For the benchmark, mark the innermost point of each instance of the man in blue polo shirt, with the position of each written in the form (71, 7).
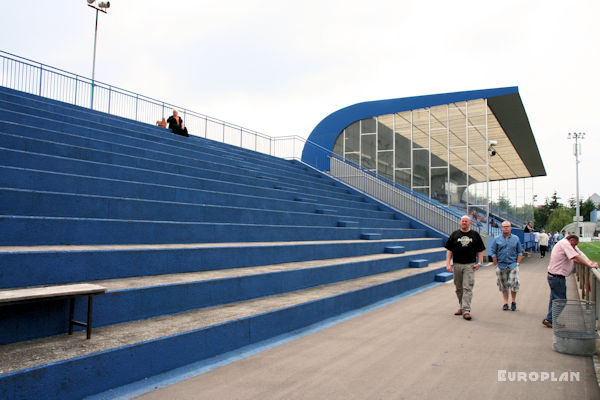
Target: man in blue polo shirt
(507, 254)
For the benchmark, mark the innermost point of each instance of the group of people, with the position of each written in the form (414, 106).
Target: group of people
(464, 256)
(175, 123)
(542, 241)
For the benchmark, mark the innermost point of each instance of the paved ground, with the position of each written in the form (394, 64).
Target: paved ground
(414, 349)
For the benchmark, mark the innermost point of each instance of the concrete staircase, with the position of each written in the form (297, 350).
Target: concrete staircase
(204, 247)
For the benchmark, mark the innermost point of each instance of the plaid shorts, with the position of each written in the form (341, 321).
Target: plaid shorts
(508, 279)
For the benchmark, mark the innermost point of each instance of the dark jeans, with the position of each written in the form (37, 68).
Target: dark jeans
(558, 290)
(543, 250)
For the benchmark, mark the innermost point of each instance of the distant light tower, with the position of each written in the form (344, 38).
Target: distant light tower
(577, 152)
(102, 6)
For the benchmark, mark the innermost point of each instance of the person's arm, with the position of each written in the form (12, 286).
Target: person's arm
(581, 260)
(519, 253)
(479, 260)
(493, 252)
(449, 267)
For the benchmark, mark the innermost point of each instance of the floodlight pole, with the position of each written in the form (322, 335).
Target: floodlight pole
(94, 58)
(577, 152)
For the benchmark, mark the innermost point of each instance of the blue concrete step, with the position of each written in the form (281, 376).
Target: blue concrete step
(141, 302)
(126, 141)
(444, 276)
(395, 249)
(133, 361)
(52, 204)
(419, 263)
(24, 230)
(27, 179)
(39, 266)
(203, 170)
(19, 159)
(195, 158)
(371, 235)
(63, 112)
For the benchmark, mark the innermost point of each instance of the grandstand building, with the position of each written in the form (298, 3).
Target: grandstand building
(446, 147)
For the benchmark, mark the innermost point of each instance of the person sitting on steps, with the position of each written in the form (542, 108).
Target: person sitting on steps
(176, 124)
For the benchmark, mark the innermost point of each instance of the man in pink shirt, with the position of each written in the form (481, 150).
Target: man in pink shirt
(561, 265)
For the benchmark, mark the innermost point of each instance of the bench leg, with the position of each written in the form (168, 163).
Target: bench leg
(89, 318)
(88, 324)
(71, 314)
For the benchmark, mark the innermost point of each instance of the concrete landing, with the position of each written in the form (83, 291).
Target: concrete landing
(414, 349)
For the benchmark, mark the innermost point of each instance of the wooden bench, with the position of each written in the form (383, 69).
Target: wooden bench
(55, 292)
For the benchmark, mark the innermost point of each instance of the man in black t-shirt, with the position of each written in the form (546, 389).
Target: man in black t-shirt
(464, 257)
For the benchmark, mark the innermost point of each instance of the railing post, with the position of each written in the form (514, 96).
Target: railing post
(109, 95)
(41, 75)
(75, 97)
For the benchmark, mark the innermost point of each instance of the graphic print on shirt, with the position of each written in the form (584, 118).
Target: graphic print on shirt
(465, 241)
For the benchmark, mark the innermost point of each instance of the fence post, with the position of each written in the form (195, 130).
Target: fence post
(41, 75)
(75, 98)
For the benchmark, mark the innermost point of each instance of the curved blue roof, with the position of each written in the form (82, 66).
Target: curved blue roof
(504, 102)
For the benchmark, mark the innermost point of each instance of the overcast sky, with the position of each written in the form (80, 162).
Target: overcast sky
(280, 67)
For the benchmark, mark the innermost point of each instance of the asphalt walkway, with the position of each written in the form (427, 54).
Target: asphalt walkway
(416, 348)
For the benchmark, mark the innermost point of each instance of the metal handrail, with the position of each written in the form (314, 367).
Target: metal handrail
(589, 284)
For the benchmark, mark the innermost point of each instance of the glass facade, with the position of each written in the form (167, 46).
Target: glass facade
(443, 153)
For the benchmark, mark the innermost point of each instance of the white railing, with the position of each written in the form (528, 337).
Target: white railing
(589, 284)
(422, 209)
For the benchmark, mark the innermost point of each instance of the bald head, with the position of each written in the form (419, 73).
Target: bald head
(465, 223)
(506, 228)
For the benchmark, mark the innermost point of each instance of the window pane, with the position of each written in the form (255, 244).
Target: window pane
(368, 151)
(439, 187)
(384, 164)
(424, 190)
(354, 157)
(420, 168)
(352, 138)
(368, 125)
(402, 153)
(385, 137)
(403, 177)
(338, 147)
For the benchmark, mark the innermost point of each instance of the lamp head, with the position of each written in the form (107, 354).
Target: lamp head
(104, 4)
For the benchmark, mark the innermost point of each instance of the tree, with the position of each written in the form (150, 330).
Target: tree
(542, 213)
(586, 208)
(560, 217)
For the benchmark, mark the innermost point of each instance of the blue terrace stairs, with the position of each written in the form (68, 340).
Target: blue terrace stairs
(204, 247)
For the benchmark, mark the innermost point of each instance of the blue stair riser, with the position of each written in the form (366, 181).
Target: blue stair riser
(29, 231)
(19, 269)
(50, 204)
(240, 176)
(140, 303)
(20, 159)
(27, 179)
(27, 125)
(25, 137)
(34, 103)
(98, 372)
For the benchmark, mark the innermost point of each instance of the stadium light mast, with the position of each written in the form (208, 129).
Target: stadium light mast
(102, 6)
(577, 152)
